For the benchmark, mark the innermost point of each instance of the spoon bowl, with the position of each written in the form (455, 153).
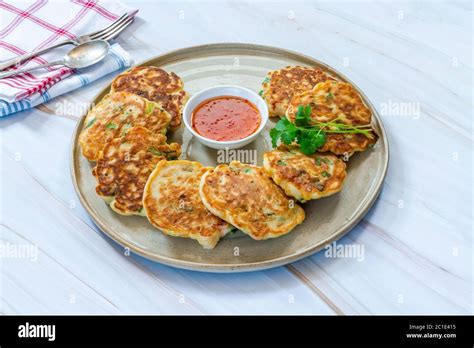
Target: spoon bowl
(86, 54)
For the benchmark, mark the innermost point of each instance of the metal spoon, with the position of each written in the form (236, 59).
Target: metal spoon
(81, 56)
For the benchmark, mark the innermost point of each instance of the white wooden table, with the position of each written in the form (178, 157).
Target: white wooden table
(413, 60)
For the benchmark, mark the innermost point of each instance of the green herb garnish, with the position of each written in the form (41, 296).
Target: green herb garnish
(309, 134)
(260, 93)
(309, 138)
(149, 108)
(111, 125)
(303, 116)
(155, 151)
(325, 160)
(326, 174)
(90, 123)
(266, 80)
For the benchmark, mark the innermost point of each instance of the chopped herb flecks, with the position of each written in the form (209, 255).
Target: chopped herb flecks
(90, 123)
(149, 108)
(155, 151)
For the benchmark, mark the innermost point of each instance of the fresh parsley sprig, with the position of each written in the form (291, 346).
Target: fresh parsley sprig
(310, 135)
(309, 138)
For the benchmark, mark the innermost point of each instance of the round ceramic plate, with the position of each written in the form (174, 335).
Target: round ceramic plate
(327, 219)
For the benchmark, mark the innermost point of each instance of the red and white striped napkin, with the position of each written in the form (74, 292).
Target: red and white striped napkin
(30, 25)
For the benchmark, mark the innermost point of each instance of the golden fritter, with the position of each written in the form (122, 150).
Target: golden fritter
(125, 164)
(305, 177)
(245, 197)
(280, 85)
(336, 101)
(347, 144)
(172, 203)
(114, 115)
(157, 85)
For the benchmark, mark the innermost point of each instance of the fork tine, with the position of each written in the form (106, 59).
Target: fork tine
(110, 28)
(117, 30)
(110, 25)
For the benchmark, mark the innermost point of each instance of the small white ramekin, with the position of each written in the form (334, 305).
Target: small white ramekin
(225, 90)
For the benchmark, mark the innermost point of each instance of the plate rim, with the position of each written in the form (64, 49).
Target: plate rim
(238, 267)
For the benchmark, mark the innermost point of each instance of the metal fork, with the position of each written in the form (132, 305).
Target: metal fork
(107, 33)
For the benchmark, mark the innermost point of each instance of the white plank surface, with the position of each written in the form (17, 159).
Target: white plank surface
(417, 239)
